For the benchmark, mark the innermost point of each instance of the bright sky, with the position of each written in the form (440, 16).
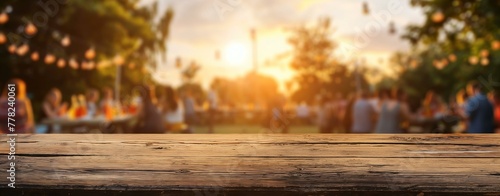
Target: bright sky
(202, 27)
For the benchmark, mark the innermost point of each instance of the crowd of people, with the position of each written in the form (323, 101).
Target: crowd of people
(168, 113)
(385, 111)
(388, 111)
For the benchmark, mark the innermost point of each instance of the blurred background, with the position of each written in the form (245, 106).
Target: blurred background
(235, 66)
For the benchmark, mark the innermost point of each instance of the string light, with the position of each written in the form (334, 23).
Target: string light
(61, 63)
(3, 38)
(35, 56)
(84, 65)
(392, 28)
(118, 60)
(4, 17)
(12, 48)
(485, 61)
(90, 53)
(131, 65)
(22, 50)
(65, 41)
(217, 55)
(438, 17)
(473, 60)
(73, 64)
(178, 63)
(90, 65)
(414, 64)
(366, 9)
(495, 45)
(452, 57)
(30, 29)
(49, 59)
(484, 53)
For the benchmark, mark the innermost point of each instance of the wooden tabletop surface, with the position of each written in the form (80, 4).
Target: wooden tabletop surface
(198, 164)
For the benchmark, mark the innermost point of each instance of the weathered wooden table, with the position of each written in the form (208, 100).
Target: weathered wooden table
(77, 164)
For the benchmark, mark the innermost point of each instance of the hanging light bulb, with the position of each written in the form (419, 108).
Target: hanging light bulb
(438, 17)
(3, 38)
(217, 55)
(414, 64)
(484, 53)
(65, 41)
(61, 63)
(366, 9)
(485, 61)
(90, 53)
(35, 56)
(118, 60)
(103, 64)
(90, 65)
(12, 48)
(178, 63)
(473, 60)
(22, 50)
(49, 59)
(495, 45)
(4, 17)
(73, 64)
(84, 65)
(392, 28)
(131, 65)
(452, 57)
(30, 29)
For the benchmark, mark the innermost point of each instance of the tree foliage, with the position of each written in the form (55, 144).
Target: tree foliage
(318, 72)
(113, 27)
(459, 41)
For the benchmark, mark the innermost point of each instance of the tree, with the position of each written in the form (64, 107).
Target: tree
(252, 88)
(458, 42)
(318, 71)
(100, 33)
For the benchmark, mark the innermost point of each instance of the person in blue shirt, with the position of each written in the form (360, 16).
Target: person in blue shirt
(478, 110)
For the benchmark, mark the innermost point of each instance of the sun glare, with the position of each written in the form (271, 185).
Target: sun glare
(236, 54)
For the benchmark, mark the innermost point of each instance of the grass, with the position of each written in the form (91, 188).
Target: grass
(239, 129)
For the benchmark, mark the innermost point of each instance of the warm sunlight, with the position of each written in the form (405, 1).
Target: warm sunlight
(236, 54)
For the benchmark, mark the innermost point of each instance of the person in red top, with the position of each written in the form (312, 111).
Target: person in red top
(24, 121)
(496, 102)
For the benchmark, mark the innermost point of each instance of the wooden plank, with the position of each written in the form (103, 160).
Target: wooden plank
(264, 164)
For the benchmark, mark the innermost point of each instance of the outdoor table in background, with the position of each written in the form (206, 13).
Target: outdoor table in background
(255, 164)
(115, 125)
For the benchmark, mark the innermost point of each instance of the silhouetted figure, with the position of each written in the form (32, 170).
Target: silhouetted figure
(478, 110)
(149, 117)
(20, 111)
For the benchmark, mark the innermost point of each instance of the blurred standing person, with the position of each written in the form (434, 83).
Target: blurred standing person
(213, 102)
(92, 96)
(173, 110)
(478, 110)
(277, 119)
(324, 115)
(338, 110)
(21, 111)
(52, 108)
(190, 115)
(302, 113)
(348, 113)
(375, 100)
(149, 118)
(108, 104)
(392, 112)
(496, 101)
(363, 114)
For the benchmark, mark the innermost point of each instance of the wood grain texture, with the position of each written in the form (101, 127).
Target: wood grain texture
(202, 164)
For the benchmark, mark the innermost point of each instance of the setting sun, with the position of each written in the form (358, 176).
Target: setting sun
(236, 54)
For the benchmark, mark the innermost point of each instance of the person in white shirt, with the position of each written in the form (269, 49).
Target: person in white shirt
(173, 111)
